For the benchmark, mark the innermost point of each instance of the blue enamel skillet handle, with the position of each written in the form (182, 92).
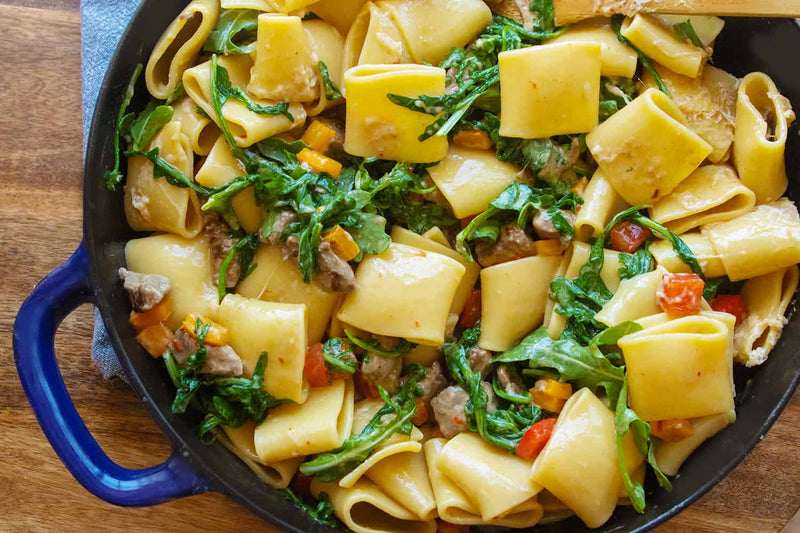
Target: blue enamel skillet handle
(54, 298)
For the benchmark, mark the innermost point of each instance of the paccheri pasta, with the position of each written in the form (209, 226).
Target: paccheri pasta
(417, 264)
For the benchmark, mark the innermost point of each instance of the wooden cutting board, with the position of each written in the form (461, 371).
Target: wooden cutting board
(40, 215)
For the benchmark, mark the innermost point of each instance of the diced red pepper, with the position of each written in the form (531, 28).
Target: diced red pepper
(315, 371)
(681, 294)
(472, 310)
(535, 439)
(628, 237)
(732, 304)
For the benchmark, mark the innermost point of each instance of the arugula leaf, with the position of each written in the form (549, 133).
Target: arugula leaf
(164, 169)
(627, 420)
(640, 262)
(227, 91)
(220, 400)
(616, 25)
(615, 93)
(393, 417)
(114, 177)
(544, 15)
(521, 201)
(611, 336)
(475, 72)
(509, 396)
(234, 26)
(246, 247)
(374, 346)
(580, 299)
(684, 31)
(176, 94)
(147, 124)
(322, 512)
(502, 428)
(369, 232)
(332, 92)
(581, 365)
(339, 357)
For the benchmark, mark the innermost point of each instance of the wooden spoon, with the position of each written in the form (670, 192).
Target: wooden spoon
(568, 11)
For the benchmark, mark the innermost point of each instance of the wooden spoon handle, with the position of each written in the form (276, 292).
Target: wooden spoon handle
(568, 11)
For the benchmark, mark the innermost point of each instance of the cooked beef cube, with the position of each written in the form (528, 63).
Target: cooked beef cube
(220, 360)
(513, 243)
(145, 291)
(480, 361)
(448, 408)
(221, 242)
(334, 274)
(382, 371)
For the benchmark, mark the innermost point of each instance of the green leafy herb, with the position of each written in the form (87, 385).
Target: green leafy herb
(246, 249)
(147, 124)
(322, 512)
(332, 92)
(392, 418)
(114, 177)
(627, 420)
(475, 72)
(339, 357)
(640, 262)
(235, 26)
(164, 169)
(581, 365)
(615, 93)
(176, 94)
(612, 336)
(616, 25)
(506, 395)
(520, 202)
(374, 346)
(544, 15)
(502, 428)
(684, 31)
(579, 300)
(219, 400)
(227, 91)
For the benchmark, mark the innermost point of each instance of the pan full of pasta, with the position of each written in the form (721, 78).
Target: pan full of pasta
(422, 265)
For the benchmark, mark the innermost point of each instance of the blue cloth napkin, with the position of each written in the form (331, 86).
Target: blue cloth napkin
(102, 24)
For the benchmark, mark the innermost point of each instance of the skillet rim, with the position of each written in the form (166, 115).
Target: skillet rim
(286, 515)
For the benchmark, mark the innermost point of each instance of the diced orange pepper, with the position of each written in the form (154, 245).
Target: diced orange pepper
(422, 415)
(342, 243)
(156, 339)
(549, 247)
(319, 136)
(152, 317)
(217, 335)
(320, 163)
(673, 430)
(473, 139)
(550, 394)
(680, 294)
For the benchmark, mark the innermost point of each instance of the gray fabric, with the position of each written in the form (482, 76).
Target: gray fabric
(102, 24)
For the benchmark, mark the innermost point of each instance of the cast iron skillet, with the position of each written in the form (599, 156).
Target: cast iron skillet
(90, 276)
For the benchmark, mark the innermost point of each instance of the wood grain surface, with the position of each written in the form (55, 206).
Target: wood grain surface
(40, 216)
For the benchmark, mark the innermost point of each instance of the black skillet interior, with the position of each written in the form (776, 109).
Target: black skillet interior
(745, 46)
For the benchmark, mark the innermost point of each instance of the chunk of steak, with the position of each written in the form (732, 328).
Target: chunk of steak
(480, 361)
(220, 360)
(284, 219)
(448, 408)
(434, 382)
(512, 244)
(382, 371)
(334, 274)
(145, 291)
(221, 242)
(543, 224)
(509, 382)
